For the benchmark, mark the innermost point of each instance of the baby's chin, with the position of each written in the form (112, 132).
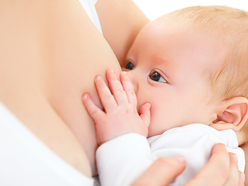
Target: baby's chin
(153, 132)
(157, 129)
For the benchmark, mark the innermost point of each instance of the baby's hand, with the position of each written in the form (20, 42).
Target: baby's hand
(120, 114)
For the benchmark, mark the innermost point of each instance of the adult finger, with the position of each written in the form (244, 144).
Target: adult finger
(145, 113)
(162, 172)
(234, 174)
(216, 172)
(105, 96)
(242, 179)
(233, 178)
(116, 87)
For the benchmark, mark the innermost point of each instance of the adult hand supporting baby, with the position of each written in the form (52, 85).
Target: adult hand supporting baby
(222, 169)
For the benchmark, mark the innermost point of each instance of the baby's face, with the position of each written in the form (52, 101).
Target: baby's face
(169, 66)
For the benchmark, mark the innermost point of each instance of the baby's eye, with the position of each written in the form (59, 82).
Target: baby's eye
(155, 76)
(129, 66)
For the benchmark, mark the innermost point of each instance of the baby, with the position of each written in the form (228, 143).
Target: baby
(188, 70)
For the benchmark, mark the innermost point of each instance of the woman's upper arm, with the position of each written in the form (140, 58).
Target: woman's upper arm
(121, 21)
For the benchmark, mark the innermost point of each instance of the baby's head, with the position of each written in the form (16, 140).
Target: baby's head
(191, 65)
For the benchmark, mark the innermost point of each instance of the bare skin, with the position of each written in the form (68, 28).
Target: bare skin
(53, 64)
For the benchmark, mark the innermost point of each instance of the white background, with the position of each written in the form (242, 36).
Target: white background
(156, 8)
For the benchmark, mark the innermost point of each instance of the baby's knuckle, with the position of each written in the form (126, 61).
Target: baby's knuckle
(93, 112)
(127, 110)
(119, 91)
(107, 97)
(130, 91)
(130, 109)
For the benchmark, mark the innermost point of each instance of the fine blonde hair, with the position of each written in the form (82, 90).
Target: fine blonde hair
(231, 26)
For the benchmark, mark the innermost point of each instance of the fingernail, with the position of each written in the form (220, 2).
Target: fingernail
(179, 159)
(98, 78)
(224, 146)
(124, 73)
(85, 96)
(111, 71)
(242, 175)
(235, 157)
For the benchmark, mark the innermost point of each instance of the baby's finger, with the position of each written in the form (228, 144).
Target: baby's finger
(145, 113)
(105, 96)
(116, 87)
(92, 109)
(128, 87)
(241, 179)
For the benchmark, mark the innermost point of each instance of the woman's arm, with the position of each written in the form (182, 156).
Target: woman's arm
(121, 21)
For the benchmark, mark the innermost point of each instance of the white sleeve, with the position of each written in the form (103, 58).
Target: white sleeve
(122, 160)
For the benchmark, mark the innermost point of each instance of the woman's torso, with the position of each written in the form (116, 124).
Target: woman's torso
(50, 53)
(27, 161)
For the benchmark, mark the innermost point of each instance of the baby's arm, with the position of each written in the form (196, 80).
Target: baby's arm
(124, 159)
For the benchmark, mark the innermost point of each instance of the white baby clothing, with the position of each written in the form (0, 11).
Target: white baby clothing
(124, 159)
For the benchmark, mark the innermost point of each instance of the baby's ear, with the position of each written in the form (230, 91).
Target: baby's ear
(233, 114)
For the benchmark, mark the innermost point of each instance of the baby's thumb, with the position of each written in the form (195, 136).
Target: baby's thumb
(144, 112)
